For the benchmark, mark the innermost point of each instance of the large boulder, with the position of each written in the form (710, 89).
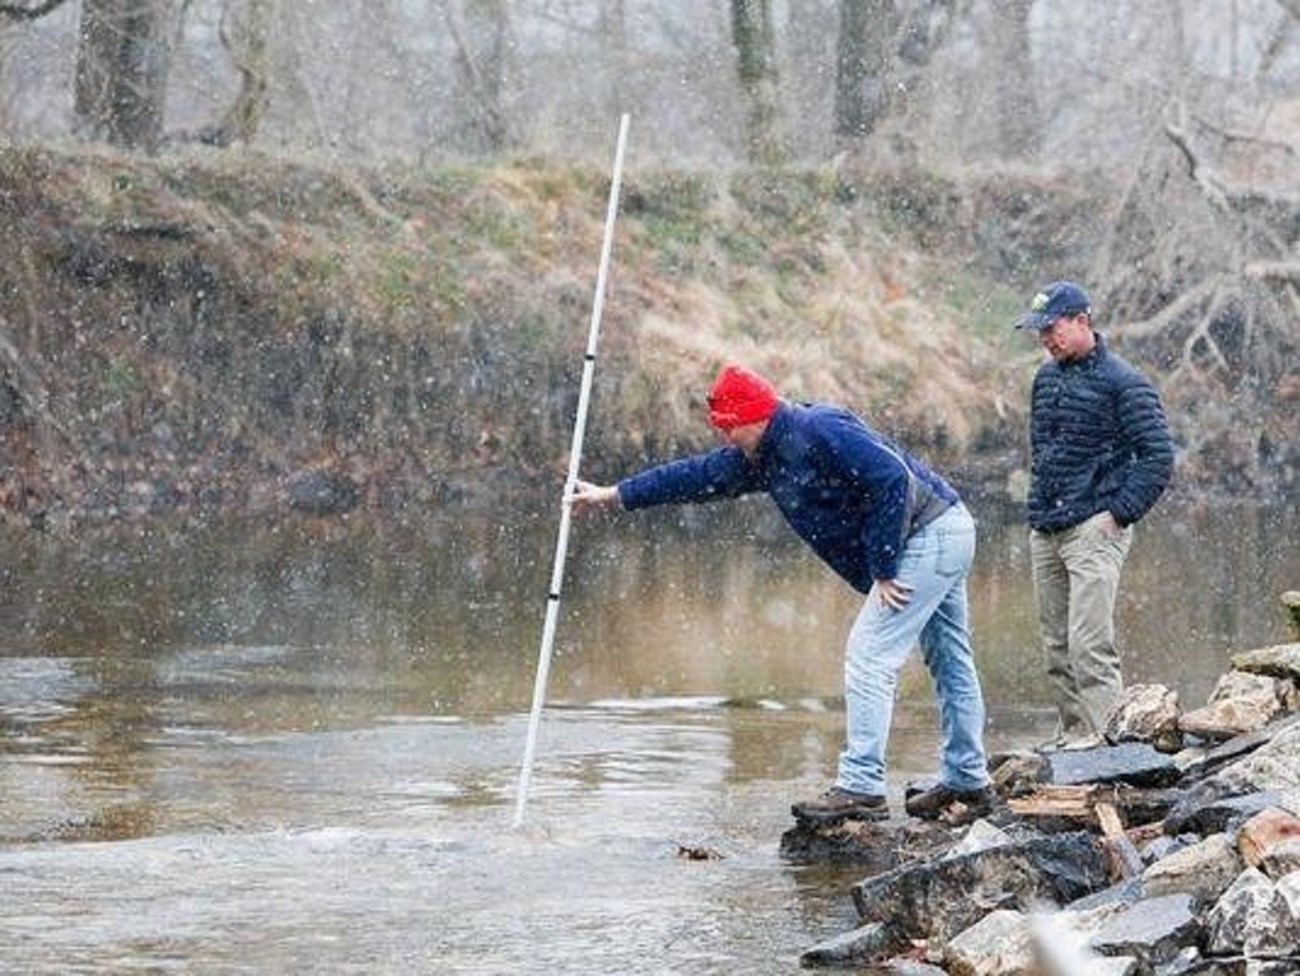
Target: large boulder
(935, 900)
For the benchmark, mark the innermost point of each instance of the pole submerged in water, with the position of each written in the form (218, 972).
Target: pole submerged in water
(575, 458)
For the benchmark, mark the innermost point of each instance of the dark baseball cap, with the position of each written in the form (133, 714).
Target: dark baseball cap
(1057, 299)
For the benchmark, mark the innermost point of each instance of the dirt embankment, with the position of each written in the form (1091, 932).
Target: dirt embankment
(203, 330)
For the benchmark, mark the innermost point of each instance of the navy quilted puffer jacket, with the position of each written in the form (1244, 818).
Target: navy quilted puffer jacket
(1099, 442)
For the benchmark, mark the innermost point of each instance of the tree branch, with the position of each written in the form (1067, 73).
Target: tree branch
(1290, 6)
(1200, 174)
(1273, 270)
(1174, 310)
(17, 11)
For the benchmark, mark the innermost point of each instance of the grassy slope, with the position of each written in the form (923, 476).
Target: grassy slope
(204, 326)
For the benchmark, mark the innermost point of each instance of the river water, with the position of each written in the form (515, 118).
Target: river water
(293, 746)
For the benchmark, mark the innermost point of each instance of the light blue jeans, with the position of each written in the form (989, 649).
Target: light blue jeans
(935, 562)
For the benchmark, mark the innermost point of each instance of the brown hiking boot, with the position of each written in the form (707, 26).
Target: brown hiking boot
(838, 804)
(942, 802)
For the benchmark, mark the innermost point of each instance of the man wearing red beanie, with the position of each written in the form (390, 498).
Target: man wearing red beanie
(890, 527)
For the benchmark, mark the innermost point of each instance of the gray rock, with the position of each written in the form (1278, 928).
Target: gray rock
(1273, 967)
(1279, 661)
(1227, 752)
(867, 943)
(875, 846)
(1165, 845)
(937, 900)
(1018, 773)
(1253, 918)
(1241, 703)
(1273, 766)
(1001, 942)
(981, 836)
(1190, 962)
(1146, 713)
(1136, 763)
(1205, 810)
(1154, 930)
(1111, 899)
(1204, 870)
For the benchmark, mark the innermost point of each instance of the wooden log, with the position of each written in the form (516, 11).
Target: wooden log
(1057, 801)
(1123, 857)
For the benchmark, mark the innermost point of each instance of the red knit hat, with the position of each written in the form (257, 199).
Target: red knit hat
(740, 396)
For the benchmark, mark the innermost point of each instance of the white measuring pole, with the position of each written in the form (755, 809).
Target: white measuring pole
(575, 459)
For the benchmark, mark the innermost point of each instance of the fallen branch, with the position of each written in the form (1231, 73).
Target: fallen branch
(16, 11)
(1272, 270)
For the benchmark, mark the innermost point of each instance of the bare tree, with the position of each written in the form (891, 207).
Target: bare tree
(481, 33)
(304, 122)
(245, 35)
(755, 41)
(612, 29)
(1016, 127)
(18, 12)
(122, 69)
(864, 65)
(884, 53)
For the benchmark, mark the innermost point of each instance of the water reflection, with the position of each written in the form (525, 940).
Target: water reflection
(328, 717)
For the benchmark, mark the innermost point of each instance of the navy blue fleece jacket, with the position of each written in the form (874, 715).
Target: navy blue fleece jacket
(848, 492)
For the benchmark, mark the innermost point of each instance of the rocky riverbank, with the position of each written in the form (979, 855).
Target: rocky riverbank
(1170, 848)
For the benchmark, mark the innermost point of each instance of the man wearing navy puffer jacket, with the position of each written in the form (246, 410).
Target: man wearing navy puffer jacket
(891, 528)
(1100, 457)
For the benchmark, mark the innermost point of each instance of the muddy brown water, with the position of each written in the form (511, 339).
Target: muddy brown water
(291, 746)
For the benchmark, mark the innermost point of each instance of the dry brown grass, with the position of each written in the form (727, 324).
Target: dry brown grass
(432, 321)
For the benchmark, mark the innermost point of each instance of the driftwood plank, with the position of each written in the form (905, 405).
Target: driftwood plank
(1057, 801)
(1120, 852)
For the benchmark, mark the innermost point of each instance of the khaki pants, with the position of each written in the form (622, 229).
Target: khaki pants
(1076, 579)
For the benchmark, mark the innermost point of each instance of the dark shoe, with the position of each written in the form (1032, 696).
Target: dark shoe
(941, 802)
(838, 804)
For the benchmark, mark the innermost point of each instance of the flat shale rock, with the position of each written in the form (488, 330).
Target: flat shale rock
(938, 899)
(1204, 764)
(1209, 807)
(1135, 763)
(1154, 930)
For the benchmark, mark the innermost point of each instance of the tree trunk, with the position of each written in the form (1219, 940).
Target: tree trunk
(1009, 64)
(755, 40)
(480, 30)
(246, 37)
(122, 64)
(612, 27)
(863, 67)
